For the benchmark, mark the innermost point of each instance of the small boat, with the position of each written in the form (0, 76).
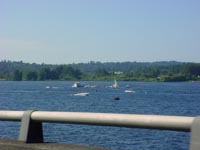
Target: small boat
(129, 91)
(115, 85)
(55, 87)
(116, 98)
(90, 86)
(81, 94)
(77, 85)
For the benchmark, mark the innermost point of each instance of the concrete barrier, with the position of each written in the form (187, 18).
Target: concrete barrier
(31, 122)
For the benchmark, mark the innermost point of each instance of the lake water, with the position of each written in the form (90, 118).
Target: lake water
(182, 99)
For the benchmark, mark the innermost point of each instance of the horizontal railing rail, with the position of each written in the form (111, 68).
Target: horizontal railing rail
(177, 123)
(32, 122)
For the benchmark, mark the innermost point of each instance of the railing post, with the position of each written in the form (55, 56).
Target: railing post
(195, 134)
(30, 131)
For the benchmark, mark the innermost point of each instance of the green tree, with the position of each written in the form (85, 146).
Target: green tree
(174, 78)
(32, 75)
(17, 75)
(44, 74)
(67, 72)
(101, 72)
(191, 68)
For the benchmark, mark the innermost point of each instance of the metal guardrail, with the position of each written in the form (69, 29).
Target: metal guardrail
(31, 122)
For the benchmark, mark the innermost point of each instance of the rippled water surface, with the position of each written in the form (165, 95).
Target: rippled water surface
(182, 99)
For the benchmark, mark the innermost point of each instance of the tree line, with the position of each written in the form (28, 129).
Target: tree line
(124, 71)
(57, 73)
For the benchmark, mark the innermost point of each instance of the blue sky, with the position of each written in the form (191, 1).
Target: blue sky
(73, 31)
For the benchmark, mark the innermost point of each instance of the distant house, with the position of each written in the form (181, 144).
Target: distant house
(118, 72)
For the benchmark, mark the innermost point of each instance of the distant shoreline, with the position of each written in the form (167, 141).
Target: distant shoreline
(96, 71)
(95, 81)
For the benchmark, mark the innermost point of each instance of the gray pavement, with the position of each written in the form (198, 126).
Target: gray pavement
(17, 145)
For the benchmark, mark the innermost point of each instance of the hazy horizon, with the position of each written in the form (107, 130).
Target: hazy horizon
(97, 62)
(77, 31)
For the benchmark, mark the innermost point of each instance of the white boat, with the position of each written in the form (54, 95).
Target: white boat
(81, 94)
(129, 91)
(77, 84)
(90, 86)
(115, 85)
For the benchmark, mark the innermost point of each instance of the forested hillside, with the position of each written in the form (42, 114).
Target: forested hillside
(125, 67)
(126, 71)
